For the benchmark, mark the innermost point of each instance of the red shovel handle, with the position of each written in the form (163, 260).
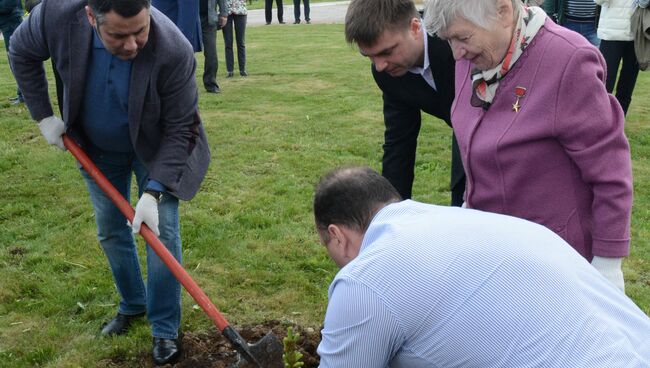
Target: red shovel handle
(125, 207)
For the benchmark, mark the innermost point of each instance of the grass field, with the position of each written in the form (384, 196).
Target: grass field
(259, 4)
(308, 105)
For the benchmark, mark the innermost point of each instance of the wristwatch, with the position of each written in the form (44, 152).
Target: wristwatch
(154, 193)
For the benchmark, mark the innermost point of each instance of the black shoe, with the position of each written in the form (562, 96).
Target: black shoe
(213, 89)
(119, 325)
(281, 22)
(268, 23)
(165, 351)
(229, 75)
(16, 100)
(297, 21)
(308, 21)
(243, 73)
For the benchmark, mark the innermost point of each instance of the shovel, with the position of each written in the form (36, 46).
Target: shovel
(265, 353)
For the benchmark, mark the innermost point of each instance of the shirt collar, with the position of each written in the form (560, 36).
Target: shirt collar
(425, 62)
(97, 42)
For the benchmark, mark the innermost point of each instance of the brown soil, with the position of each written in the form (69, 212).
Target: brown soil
(212, 350)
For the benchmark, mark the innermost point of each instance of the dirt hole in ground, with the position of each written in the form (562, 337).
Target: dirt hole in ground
(17, 251)
(212, 350)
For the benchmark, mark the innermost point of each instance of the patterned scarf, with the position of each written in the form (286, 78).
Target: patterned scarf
(485, 82)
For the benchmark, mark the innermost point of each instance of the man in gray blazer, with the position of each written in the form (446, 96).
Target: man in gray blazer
(129, 98)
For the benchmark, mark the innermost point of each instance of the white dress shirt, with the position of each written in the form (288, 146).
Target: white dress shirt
(451, 287)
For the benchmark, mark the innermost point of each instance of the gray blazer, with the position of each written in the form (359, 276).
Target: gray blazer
(213, 16)
(165, 127)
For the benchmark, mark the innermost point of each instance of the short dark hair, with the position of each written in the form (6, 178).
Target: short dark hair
(351, 196)
(366, 20)
(125, 8)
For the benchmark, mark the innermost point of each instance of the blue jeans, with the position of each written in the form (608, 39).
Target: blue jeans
(587, 29)
(8, 24)
(161, 299)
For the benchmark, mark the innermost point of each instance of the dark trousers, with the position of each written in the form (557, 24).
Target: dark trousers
(268, 7)
(211, 64)
(8, 24)
(614, 52)
(458, 179)
(239, 22)
(398, 163)
(296, 10)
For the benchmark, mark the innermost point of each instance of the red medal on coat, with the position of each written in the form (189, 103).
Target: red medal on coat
(520, 92)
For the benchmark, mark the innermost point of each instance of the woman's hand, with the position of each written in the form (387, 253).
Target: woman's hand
(610, 268)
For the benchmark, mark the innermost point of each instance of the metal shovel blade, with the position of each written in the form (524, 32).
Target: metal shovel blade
(266, 353)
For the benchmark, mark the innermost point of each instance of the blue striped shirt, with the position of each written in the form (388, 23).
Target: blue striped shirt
(449, 287)
(580, 9)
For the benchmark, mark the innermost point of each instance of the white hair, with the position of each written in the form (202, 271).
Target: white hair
(439, 14)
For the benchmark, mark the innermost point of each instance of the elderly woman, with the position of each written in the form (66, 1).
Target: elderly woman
(539, 135)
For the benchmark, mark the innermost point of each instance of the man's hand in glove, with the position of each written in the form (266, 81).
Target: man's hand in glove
(146, 211)
(52, 129)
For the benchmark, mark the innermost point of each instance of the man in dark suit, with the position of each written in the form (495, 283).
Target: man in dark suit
(415, 72)
(129, 97)
(268, 11)
(211, 21)
(185, 14)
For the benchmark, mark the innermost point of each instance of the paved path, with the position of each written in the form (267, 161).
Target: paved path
(329, 12)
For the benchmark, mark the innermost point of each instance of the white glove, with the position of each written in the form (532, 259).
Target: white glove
(52, 128)
(610, 268)
(146, 211)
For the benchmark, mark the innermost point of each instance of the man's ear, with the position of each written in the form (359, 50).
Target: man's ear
(91, 16)
(415, 27)
(347, 240)
(336, 235)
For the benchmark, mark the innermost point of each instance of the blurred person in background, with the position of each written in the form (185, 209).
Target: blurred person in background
(11, 15)
(577, 15)
(296, 11)
(212, 19)
(617, 45)
(268, 11)
(185, 14)
(237, 17)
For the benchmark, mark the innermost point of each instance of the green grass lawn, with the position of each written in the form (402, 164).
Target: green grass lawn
(309, 104)
(259, 4)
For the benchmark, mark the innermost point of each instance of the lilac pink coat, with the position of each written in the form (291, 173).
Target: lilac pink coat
(562, 160)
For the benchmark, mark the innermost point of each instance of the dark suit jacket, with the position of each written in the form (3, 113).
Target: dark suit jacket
(404, 99)
(10, 8)
(164, 123)
(185, 14)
